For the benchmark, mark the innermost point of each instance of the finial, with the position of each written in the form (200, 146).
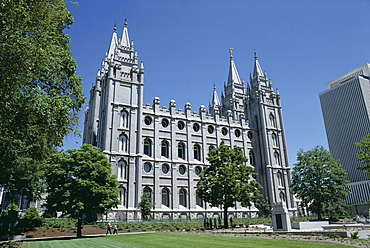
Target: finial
(125, 23)
(231, 52)
(214, 86)
(115, 26)
(255, 54)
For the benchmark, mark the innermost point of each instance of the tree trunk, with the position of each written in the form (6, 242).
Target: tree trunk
(79, 226)
(319, 209)
(226, 223)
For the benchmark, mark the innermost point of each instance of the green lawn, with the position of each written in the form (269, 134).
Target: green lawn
(165, 240)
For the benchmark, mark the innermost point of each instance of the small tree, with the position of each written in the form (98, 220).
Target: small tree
(364, 155)
(318, 179)
(264, 207)
(80, 183)
(146, 205)
(228, 179)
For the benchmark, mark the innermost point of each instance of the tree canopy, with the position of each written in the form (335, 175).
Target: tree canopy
(40, 94)
(79, 182)
(364, 154)
(318, 179)
(146, 205)
(228, 179)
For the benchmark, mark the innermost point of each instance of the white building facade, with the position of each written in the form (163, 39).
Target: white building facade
(162, 150)
(345, 106)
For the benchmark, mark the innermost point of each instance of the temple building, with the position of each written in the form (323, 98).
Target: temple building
(161, 150)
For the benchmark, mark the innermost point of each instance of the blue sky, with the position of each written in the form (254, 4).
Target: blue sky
(185, 48)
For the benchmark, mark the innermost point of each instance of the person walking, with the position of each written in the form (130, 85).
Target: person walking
(115, 229)
(108, 229)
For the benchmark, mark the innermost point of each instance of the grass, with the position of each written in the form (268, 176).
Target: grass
(169, 240)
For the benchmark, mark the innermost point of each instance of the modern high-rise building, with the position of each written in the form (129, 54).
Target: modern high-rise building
(162, 150)
(345, 106)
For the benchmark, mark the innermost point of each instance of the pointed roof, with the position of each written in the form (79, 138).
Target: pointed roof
(125, 41)
(113, 43)
(215, 101)
(257, 68)
(233, 72)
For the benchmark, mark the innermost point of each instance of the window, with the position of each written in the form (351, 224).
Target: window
(274, 140)
(282, 197)
(251, 158)
(123, 143)
(122, 170)
(165, 122)
(122, 196)
(272, 120)
(181, 125)
(210, 129)
(277, 158)
(198, 200)
(182, 197)
(147, 167)
(148, 147)
(124, 119)
(181, 150)
(196, 127)
(280, 179)
(250, 135)
(210, 148)
(197, 170)
(147, 190)
(182, 169)
(224, 131)
(237, 133)
(165, 168)
(148, 120)
(197, 152)
(164, 149)
(165, 197)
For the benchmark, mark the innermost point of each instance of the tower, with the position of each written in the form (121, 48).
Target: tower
(345, 107)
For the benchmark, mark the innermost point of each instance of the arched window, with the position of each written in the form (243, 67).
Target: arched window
(210, 148)
(147, 190)
(164, 149)
(165, 197)
(122, 196)
(197, 154)
(282, 197)
(124, 119)
(198, 200)
(181, 150)
(251, 158)
(274, 140)
(182, 197)
(277, 158)
(122, 170)
(148, 147)
(280, 179)
(123, 143)
(272, 120)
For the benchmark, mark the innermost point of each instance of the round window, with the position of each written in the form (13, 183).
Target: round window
(196, 127)
(148, 120)
(210, 129)
(197, 170)
(165, 168)
(180, 125)
(237, 133)
(182, 170)
(147, 167)
(165, 123)
(224, 131)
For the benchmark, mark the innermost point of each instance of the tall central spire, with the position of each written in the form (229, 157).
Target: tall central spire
(257, 68)
(125, 41)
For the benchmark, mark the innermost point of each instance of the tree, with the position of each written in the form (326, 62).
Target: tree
(228, 179)
(318, 179)
(40, 95)
(364, 155)
(146, 205)
(79, 183)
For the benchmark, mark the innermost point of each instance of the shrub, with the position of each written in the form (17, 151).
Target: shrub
(354, 235)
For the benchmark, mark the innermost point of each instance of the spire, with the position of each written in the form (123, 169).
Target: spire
(215, 101)
(233, 72)
(113, 43)
(125, 41)
(257, 68)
